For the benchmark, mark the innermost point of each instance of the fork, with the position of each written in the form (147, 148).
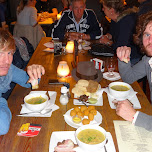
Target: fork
(69, 96)
(43, 112)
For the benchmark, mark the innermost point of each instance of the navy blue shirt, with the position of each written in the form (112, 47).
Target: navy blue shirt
(122, 34)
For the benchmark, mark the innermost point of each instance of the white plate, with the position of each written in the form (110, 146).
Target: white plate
(98, 103)
(116, 76)
(59, 136)
(68, 119)
(132, 98)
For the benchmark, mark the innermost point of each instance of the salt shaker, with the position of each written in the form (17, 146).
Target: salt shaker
(64, 99)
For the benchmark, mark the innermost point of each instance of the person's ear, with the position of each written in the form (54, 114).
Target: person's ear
(112, 11)
(70, 7)
(85, 6)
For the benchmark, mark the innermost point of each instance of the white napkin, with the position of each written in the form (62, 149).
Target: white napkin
(116, 76)
(49, 44)
(132, 98)
(51, 105)
(48, 50)
(86, 47)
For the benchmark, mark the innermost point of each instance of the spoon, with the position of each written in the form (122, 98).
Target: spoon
(43, 112)
(105, 145)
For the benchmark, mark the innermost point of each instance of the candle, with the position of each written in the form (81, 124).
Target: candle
(58, 16)
(69, 47)
(63, 69)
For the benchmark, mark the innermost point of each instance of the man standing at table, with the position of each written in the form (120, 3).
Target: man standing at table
(9, 73)
(77, 23)
(143, 68)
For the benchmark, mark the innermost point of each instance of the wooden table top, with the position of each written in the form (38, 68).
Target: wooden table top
(13, 143)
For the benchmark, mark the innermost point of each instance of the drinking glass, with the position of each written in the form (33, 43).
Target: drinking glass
(111, 66)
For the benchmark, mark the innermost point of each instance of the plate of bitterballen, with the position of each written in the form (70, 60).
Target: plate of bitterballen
(82, 115)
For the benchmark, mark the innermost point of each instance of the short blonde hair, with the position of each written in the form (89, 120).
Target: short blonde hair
(6, 40)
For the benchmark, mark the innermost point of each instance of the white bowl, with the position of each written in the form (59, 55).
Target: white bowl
(120, 95)
(88, 147)
(36, 107)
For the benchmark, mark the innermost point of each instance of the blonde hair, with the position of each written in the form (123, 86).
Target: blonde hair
(6, 40)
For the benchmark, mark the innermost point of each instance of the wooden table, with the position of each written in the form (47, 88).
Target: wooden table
(13, 143)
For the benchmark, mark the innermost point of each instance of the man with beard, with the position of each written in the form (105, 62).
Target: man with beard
(143, 38)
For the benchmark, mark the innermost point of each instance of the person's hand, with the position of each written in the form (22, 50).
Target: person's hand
(123, 53)
(104, 39)
(35, 71)
(125, 110)
(72, 36)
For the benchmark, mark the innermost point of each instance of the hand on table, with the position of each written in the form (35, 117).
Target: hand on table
(123, 53)
(35, 71)
(77, 36)
(125, 110)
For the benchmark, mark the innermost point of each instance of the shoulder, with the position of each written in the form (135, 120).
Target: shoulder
(30, 9)
(90, 12)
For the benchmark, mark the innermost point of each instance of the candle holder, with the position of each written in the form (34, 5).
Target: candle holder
(58, 16)
(70, 47)
(63, 69)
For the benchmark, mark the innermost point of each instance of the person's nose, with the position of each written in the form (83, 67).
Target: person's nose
(150, 38)
(79, 10)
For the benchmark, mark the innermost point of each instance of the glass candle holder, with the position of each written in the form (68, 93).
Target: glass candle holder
(58, 16)
(70, 47)
(63, 69)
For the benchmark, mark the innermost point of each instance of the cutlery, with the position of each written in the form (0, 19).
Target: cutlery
(43, 112)
(105, 145)
(85, 103)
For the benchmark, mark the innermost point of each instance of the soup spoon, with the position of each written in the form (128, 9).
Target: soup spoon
(43, 112)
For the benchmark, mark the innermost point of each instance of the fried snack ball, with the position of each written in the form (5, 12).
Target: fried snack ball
(83, 108)
(76, 109)
(91, 108)
(90, 116)
(93, 111)
(79, 113)
(86, 112)
(73, 113)
(85, 121)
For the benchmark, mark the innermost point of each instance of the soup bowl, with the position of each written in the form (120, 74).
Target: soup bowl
(90, 147)
(36, 107)
(119, 90)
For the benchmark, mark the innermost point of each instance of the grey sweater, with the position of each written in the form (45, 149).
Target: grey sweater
(131, 74)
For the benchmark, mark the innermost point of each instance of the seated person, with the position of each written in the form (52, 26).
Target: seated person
(10, 73)
(77, 23)
(143, 38)
(122, 27)
(27, 13)
(21, 57)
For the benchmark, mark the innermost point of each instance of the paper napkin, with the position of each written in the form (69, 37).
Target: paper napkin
(51, 105)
